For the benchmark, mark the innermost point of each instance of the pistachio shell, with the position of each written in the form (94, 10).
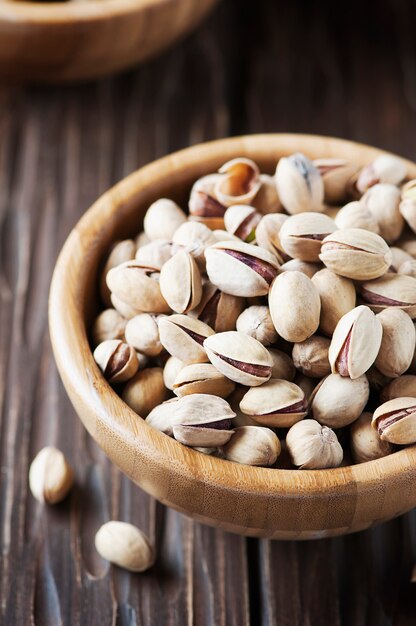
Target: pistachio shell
(283, 366)
(395, 421)
(172, 368)
(183, 337)
(121, 252)
(162, 417)
(202, 420)
(142, 332)
(295, 265)
(396, 290)
(145, 391)
(194, 237)
(217, 309)
(336, 175)
(401, 387)
(138, 287)
(277, 403)
(257, 322)
(338, 401)
(311, 356)
(117, 360)
(267, 235)
(383, 202)
(356, 215)
(299, 184)
(154, 254)
(337, 296)
(125, 545)
(162, 218)
(301, 235)
(239, 182)
(123, 308)
(109, 324)
(180, 282)
(398, 342)
(241, 220)
(267, 199)
(386, 168)
(253, 445)
(312, 446)
(202, 378)
(366, 445)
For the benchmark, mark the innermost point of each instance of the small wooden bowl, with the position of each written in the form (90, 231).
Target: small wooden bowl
(262, 502)
(64, 41)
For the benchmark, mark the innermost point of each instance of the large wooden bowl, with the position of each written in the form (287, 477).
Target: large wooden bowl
(63, 41)
(283, 504)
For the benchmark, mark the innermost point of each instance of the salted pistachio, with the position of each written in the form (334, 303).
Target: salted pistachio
(194, 237)
(239, 357)
(385, 168)
(395, 421)
(171, 369)
(257, 322)
(124, 309)
(312, 446)
(408, 268)
(162, 218)
(407, 205)
(253, 445)
(338, 400)
(336, 175)
(183, 337)
(337, 296)
(109, 324)
(267, 199)
(395, 290)
(401, 387)
(398, 342)
(356, 215)
(124, 545)
(145, 390)
(138, 287)
(355, 343)
(202, 378)
(203, 205)
(142, 332)
(162, 417)
(383, 202)
(311, 356)
(155, 254)
(366, 445)
(277, 403)
(241, 220)
(121, 252)
(202, 420)
(283, 366)
(356, 253)
(239, 182)
(295, 265)
(299, 184)
(301, 235)
(117, 360)
(50, 476)
(267, 235)
(180, 282)
(218, 309)
(295, 306)
(240, 269)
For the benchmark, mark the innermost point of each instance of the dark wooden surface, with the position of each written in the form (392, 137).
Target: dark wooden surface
(252, 67)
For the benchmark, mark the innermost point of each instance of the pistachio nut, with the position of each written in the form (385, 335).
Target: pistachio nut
(295, 265)
(356, 215)
(283, 366)
(155, 254)
(355, 343)
(162, 417)
(338, 400)
(306, 383)
(356, 253)
(239, 182)
(277, 403)
(312, 446)
(138, 287)
(240, 269)
(109, 324)
(395, 421)
(194, 237)
(217, 309)
(267, 199)
(145, 390)
(267, 235)
(407, 205)
(50, 476)
(401, 387)
(124, 309)
(383, 202)
(203, 205)
(239, 357)
(183, 337)
(337, 296)
(396, 290)
(121, 252)
(142, 332)
(295, 306)
(170, 371)
(301, 235)
(241, 220)
(202, 378)
(398, 342)
(366, 445)
(399, 257)
(310, 357)
(257, 322)
(162, 218)
(336, 175)
(223, 235)
(125, 545)
(202, 420)
(386, 168)
(117, 360)
(180, 282)
(253, 445)
(141, 240)
(408, 268)
(299, 184)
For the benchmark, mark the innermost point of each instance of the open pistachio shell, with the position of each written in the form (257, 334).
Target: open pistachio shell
(277, 403)
(183, 337)
(301, 235)
(391, 290)
(202, 378)
(299, 184)
(239, 182)
(180, 282)
(395, 421)
(138, 287)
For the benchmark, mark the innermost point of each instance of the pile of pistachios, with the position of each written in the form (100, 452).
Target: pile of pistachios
(273, 324)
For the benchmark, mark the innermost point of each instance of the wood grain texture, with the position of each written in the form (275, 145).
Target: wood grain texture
(61, 148)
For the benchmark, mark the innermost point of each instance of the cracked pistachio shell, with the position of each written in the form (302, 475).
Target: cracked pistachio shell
(398, 342)
(50, 476)
(202, 420)
(162, 218)
(395, 421)
(336, 175)
(301, 235)
(386, 168)
(239, 357)
(154, 254)
(401, 387)
(338, 401)
(162, 417)
(109, 324)
(241, 220)
(277, 403)
(121, 252)
(203, 205)
(310, 357)
(142, 332)
(356, 253)
(124, 309)
(295, 306)
(183, 337)
(337, 296)
(299, 184)
(194, 237)
(145, 390)
(172, 368)
(408, 268)
(180, 282)
(399, 257)
(355, 342)
(238, 183)
(383, 202)
(138, 287)
(395, 290)
(267, 235)
(217, 309)
(117, 360)
(202, 378)
(295, 265)
(283, 366)
(257, 322)
(366, 445)
(312, 446)
(267, 199)
(240, 269)
(125, 545)
(253, 445)
(356, 215)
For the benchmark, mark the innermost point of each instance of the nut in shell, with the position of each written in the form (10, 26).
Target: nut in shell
(218, 309)
(194, 237)
(401, 387)
(336, 175)
(50, 476)
(180, 282)
(391, 290)
(202, 378)
(338, 401)
(124, 545)
(257, 322)
(121, 252)
(386, 168)
(299, 184)
(145, 390)
(356, 215)
(109, 324)
(142, 332)
(277, 403)
(239, 182)
(117, 360)
(267, 199)
(253, 445)
(162, 218)
(301, 235)
(312, 446)
(241, 220)
(310, 357)
(395, 421)
(267, 235)
(366, 445)
(337, 296)
(398, 342)
(155, 254)
(383, 202)
(202, 420)
(183, 336)
(138, 287)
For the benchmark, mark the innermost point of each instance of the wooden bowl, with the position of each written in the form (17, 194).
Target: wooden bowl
(262, 502)
(64, 41)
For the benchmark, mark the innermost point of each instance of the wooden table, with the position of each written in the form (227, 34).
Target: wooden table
(253, 67)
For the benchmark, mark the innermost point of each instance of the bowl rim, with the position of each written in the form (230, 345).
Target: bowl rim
(89, 390)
